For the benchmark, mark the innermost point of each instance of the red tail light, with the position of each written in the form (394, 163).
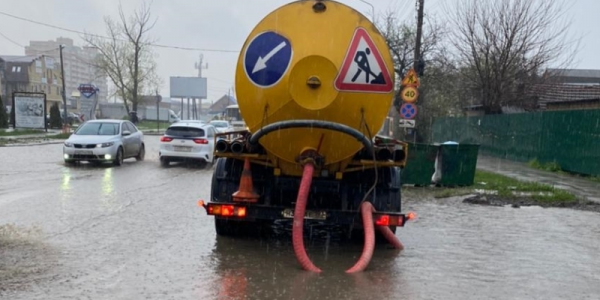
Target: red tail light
(166, 139)
(389, 220)
(201, 141)
(226, 210)
(383, 221)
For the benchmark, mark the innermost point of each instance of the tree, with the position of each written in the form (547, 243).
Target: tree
(400, 38)
(126, 56)
(504, 45)
(55, 119)
(3, 115)
(437, 92)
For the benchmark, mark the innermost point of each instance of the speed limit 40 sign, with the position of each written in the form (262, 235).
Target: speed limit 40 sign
(409, 94)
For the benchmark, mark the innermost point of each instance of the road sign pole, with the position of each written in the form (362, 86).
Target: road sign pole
(64, 93)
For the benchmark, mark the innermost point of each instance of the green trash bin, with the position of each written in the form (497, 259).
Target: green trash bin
(458, 164)
(419, 164)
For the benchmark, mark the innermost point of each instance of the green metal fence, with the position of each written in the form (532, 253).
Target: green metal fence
(569, 138)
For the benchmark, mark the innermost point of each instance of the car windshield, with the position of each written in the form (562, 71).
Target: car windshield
(220, 124)
(98, 128)
(181, 131)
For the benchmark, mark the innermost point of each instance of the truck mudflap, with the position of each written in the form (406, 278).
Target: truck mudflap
(244, 212)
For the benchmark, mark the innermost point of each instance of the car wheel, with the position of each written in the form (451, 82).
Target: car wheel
(119, 158)
(142, 153)
(164, 162)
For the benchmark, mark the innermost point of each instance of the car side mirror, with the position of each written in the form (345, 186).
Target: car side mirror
(126, 133)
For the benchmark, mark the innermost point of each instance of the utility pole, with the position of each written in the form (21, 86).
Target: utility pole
(64, 94)
(199, 66)
(372, 9)
(158, 113)
(420, 8)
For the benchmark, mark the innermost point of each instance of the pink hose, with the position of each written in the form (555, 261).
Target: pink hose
(389, 235)
(366, 210)
(297, 236)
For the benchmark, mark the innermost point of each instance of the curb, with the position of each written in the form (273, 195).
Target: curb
(33, 144)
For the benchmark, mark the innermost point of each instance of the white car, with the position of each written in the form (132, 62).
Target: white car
(99, 141)
(222, 126)
(187, 141)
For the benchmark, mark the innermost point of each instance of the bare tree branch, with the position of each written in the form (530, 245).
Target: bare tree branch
(504, 45)
(127, 57)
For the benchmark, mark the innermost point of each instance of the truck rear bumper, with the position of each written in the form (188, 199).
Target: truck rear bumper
(252, 212)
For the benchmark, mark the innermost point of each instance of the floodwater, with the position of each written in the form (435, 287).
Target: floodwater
(135, 232)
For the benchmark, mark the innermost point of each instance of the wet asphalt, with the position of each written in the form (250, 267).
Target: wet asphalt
(135, 232)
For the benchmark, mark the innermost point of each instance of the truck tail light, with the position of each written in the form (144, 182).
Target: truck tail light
(226, 210)
(389, 220)
(201, 141)
(166, 139)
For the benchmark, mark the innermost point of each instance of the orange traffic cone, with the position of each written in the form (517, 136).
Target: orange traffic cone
(246, 190)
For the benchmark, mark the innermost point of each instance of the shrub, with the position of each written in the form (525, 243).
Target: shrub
(55, 120)
(3, 115)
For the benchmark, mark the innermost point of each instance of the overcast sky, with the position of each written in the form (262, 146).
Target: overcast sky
(221, 24)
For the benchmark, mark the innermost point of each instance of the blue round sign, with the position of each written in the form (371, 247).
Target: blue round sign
(267, 58)
(408, 111)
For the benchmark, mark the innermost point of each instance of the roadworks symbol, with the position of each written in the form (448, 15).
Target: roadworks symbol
(363, 69)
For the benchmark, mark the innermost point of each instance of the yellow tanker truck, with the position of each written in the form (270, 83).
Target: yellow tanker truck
(314, 83)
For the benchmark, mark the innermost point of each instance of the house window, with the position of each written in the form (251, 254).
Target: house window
(16, 69)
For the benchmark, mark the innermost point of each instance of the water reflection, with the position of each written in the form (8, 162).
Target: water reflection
(259, 269)
(107, 182)
(65, 189)
(109, 201)
(234, 284)
(66, 180)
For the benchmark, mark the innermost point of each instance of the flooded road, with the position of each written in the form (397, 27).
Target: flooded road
(135, 232)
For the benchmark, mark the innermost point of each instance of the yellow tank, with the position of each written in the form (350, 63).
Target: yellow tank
(314, 60)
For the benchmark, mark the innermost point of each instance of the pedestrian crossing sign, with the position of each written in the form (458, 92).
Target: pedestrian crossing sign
(363, 69)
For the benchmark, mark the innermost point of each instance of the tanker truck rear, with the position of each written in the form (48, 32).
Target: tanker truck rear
(314, 83)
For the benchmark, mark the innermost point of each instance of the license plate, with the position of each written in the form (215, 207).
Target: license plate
(182, 149)
(309, 214)
(84, 152)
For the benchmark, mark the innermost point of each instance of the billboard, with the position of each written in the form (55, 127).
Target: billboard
(30, 110)
(188, 87)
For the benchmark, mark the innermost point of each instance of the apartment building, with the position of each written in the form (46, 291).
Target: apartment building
(78, 64)
(30, 74)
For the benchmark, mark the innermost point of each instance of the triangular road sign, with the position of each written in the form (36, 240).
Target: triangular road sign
(411, 79)
(363, 69)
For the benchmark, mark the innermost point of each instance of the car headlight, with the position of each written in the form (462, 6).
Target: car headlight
(69, 145)
(104, 145)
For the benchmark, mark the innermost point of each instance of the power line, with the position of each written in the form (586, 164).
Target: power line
(18, 44)
(105, 37)
(8, 39)
(221, 80)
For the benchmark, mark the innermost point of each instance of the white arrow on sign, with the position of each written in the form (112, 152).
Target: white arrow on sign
(261, 63)
(407, 123)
